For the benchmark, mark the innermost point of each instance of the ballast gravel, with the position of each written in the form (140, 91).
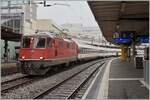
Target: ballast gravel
(32, 90)
(11, 77)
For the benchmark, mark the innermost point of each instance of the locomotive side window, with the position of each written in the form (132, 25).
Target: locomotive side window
(26, 42)
(73, 46)
(41, 43)
(61, 44)
(68, 45)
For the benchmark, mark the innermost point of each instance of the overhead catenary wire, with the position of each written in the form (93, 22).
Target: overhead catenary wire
(77, 17)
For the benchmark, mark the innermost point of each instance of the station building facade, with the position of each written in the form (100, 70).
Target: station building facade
(21, 18)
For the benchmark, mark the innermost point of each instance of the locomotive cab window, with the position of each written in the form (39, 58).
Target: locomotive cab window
(41, 43)
(49, 43)
(26, 42)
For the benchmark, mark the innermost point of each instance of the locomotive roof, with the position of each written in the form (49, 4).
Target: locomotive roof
(50, 34)
(68, 40)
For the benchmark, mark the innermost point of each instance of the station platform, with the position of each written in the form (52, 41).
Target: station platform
(121, 80)
(9, 68)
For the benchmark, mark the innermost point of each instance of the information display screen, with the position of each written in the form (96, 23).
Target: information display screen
(122, 40)
(144, 40)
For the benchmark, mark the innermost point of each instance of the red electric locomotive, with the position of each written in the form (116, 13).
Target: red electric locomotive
(39, 52)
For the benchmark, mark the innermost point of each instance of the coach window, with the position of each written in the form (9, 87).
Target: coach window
(26, 42)
(40, 43)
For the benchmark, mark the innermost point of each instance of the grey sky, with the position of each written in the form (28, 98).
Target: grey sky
(78, 12)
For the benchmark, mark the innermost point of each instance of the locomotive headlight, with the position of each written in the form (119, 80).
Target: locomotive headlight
(41, 58)
(23, 57)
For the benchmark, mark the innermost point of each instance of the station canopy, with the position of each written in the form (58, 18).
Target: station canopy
(117, 16)
(9, 35)
(11, 26)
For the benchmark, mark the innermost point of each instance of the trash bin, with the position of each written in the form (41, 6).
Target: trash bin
(139, 62)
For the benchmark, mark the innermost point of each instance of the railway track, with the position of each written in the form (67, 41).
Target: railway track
(11, 77)
(14, 83)
(61, 85)
(17, 81)
(70, 86)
